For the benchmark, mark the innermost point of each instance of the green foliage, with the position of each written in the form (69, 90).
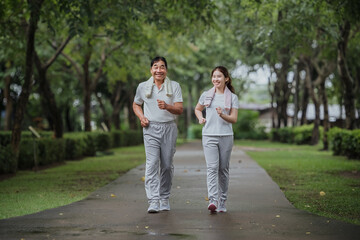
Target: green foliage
(345, 142)
(247, 126)
(298, 135)
(194, 131)
(47, 151)
(7, 160)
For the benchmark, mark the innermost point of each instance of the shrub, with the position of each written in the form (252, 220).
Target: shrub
(351, 144)
(345, 142)
(102, 140)
(79, 144)
(132, 137)
(303, 134)
(335, 140)
(298, 135)
(117, 138)
(46, 150)
(7, 160)
(247, 126)
(195, 131)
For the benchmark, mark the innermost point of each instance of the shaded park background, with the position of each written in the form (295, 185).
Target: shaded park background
(73, 66)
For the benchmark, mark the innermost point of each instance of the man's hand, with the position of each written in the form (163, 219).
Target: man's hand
(144, 122)
(161, 104)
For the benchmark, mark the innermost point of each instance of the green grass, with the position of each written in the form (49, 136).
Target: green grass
(30, 192)
(302, 172)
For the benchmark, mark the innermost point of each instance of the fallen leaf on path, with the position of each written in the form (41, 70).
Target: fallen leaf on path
(277, 216)
(113, 195)
(322, 193)
(206, 198)
(308, 233)
(143, 179)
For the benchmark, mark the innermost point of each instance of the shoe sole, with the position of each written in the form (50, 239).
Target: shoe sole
(153, 211)
(212, 208)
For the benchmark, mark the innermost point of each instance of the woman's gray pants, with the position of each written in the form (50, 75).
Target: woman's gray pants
(217, 151)
(160, 143)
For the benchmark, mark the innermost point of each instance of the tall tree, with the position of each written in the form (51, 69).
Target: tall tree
(347, 15)
(35, 9)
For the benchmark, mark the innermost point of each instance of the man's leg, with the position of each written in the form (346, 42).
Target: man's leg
(168, 148)
(152, 150)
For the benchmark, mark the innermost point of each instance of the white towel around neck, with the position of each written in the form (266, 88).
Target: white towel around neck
(150, 83)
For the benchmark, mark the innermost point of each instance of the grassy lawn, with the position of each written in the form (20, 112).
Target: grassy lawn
(30, 192)
(312, 180)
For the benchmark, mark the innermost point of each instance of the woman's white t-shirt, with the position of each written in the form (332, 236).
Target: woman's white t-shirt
(215, 125)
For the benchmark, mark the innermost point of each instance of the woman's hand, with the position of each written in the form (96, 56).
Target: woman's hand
(219, 111)
(202, 120)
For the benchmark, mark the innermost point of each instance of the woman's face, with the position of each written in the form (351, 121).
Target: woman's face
(158, 71)
(218, 79)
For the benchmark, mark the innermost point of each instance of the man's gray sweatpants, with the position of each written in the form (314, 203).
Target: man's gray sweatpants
(217, 151)
(160, 143)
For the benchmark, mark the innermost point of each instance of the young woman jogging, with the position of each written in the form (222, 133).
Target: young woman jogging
(221, 105)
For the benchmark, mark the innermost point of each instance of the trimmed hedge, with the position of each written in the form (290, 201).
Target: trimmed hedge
(7, 160)
(47, 151)
(298, 135)
(345, 142)
(72, 146)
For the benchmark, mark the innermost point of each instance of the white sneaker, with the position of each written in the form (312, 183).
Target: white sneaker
(221, 207)
(164, 205)
(212, 206)
(154, 207)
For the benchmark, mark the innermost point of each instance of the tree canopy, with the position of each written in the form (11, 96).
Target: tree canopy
(72, 65)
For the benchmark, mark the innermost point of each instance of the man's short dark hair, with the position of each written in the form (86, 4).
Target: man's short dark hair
(157, 59)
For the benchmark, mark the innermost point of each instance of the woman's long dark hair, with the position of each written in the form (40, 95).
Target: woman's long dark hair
(226, 74)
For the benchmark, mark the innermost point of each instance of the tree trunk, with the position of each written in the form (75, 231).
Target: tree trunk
(346, 79)
(311, 88)
(87, 109)
(87, 91)
(69, 125)
(189, 111)
(132, 117)
(35, 6)
(106, 118)
(115, 102)
(9, 104)
(271, 92)
(282, 89)
(304, 103)
(53, 111)
(296, 95)
(326, 115)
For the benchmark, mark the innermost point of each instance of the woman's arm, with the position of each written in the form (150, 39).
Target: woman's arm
(198, 112)
(231, 118)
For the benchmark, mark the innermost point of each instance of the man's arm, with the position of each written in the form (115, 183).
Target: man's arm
(176, 109)
(140, 114)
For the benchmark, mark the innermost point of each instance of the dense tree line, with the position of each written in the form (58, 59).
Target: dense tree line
(60, 59)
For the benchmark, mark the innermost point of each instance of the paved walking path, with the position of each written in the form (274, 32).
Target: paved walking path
(257, 209)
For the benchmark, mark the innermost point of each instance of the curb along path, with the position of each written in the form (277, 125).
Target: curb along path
(257, 209)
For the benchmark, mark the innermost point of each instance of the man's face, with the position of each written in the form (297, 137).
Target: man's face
(158, 71)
